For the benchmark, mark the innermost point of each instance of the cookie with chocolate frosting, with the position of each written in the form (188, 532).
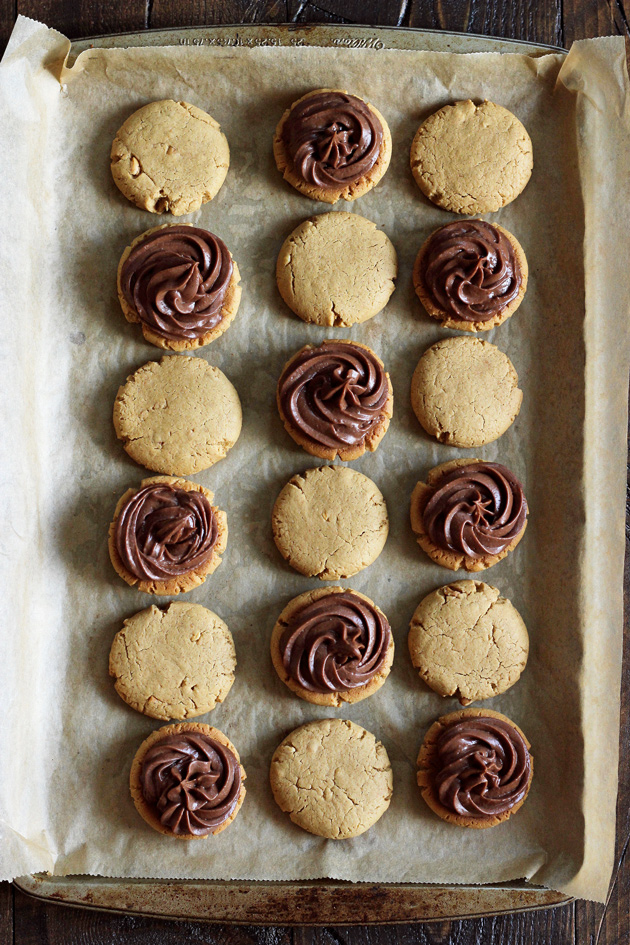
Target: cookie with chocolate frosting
(331, 145)
(333, 778)
(469, 514)
(475, 768)
(471, 275)
(464, 391)
(332, 645)
(166, 536)
(335, 399)
(471, 158)
(336, 269)
(186, 781)
(169, 157)
(180, 284)
(467, 641)
(178, 415)
(173, 663)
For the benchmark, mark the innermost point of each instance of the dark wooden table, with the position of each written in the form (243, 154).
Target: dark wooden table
(25, 921)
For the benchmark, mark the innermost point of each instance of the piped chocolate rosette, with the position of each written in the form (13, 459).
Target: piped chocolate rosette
(166, 536)
(175, 281)
(469, 514)
(471, 274)
(186, 780)
(331, 144)
(475, 768)
(332, 646)
(335, 399)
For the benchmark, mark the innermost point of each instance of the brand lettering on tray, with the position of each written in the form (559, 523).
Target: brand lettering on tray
(349, 42)
(352, 42)
(230, 41)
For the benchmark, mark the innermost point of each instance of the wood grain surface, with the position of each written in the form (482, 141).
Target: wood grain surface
(25, 921)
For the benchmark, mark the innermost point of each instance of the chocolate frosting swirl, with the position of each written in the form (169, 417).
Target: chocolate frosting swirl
(192, 781)
(476, 510)
(337, 643)
(470, 270)
(334, 394)
(176, 281)
(162, 532)
(483, 767)
(332, 139)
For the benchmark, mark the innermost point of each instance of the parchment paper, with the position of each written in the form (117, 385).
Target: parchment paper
(67, 740)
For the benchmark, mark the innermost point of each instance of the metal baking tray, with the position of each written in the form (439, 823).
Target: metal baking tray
(316, 902)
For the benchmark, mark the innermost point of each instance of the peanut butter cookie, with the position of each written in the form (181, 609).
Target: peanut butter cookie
(471, 158)
(467, 641)
(465, 392)
(178, 415)
(169, 157)
(475, 768)
(186, 781)
(331, 145)
(332, 645)
(173, 663)
(336, 269)
(330, 522)
(333, 778)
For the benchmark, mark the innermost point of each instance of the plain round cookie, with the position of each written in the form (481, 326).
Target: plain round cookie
(471, 158)
(452, 560)
(336, 269)
(173, 663)
(178, 415)
(465, 392)
(333, 778)
(229, 308)
(334, 699)
(169, 157)
(467, 641)
(447, 319)
(351, 191)
(426, 768)
(330, 522)
(182, 583)
(135, 785)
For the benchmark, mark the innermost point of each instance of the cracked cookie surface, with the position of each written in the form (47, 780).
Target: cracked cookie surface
(465, 392)
(178, 415)
(336, 269)
(175, 663)
(467, 641)
(330, 522)
(471, 158)
(333, 778)
(169, 157)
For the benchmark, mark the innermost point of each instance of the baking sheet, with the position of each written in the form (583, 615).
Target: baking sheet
(64, 802)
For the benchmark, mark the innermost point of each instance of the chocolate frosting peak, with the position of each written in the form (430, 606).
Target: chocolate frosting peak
(470, 270)
(476, 510)
(483, 767)
(332, 139)
(176, 281)
(192, 781)
(334, 644)
(334, 394)
(162, 532)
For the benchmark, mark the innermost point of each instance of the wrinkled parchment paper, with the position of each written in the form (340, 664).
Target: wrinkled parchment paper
(67, 740)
